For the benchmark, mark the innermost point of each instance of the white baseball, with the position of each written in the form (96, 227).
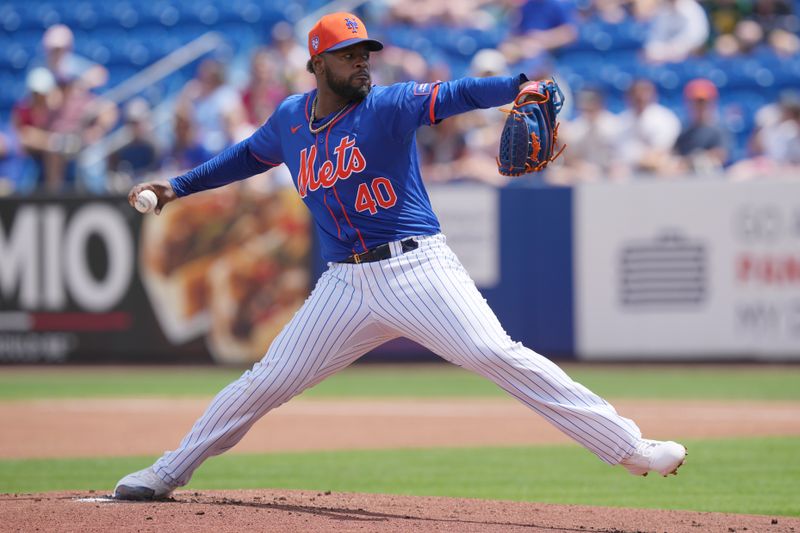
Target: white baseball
(146, 201)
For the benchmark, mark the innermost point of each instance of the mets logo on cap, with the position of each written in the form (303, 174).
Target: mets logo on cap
(351, 24)
(339, 30)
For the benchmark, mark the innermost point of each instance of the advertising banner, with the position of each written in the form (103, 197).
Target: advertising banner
(214, 277)
(469, 217)
(692, 269)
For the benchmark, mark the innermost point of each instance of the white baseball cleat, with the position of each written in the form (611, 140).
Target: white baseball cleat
(664, 457)
(143, 485)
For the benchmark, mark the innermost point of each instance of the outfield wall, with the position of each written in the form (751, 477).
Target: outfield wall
(645, 270)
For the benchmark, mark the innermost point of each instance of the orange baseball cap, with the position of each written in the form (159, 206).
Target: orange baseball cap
(700, 89)
(339, 30)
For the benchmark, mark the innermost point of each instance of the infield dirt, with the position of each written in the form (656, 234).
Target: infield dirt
(124, 427)
(311, 512)
(90, 428)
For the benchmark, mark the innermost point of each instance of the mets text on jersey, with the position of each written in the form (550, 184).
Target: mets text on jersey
(309, 180)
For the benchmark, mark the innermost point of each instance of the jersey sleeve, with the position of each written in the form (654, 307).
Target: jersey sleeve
(234, 163)
(420, 104)
(258, 153)
(466, 94)
(407, 106)
(265, 143)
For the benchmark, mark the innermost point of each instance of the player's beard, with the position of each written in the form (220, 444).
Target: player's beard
(344, 87)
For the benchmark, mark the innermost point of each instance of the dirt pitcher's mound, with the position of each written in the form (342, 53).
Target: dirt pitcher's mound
(286, 511)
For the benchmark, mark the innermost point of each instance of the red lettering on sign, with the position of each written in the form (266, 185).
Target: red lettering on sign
(768, 269)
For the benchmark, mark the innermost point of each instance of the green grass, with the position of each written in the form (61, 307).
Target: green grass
(752, 382)
(420, 381)
(88, 382)
(760, 476)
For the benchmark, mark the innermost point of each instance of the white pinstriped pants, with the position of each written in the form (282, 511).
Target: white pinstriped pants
(427, 296)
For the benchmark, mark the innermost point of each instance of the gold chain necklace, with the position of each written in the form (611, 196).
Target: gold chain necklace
(314, 113)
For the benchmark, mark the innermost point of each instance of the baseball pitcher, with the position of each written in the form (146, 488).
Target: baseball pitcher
(351, 149)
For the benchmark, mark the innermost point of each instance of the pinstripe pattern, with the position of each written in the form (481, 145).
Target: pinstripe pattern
(430, 298)
(427, 296)
(329, 332)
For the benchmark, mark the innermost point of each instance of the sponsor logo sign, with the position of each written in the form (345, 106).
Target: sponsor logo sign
(688, 269)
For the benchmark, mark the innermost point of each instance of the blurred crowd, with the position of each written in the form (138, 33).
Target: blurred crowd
(64, 112)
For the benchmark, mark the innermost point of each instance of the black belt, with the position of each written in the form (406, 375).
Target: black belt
(379, 253)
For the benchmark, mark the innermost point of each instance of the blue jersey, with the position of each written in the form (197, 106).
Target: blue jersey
(360, 175)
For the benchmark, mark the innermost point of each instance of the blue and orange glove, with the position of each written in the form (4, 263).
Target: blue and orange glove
(531, 131)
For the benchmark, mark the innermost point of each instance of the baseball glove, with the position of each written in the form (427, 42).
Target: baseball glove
(531, 131)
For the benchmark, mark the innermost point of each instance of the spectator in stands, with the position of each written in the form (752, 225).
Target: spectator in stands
(482, 128)
(678, 29)
(187, 150)
(265, 88)
(237, 126)
(441, 148)
(704, 144)
(769, 118)
(62, 62)
(724, 16)
(292, 58)
(80, 119)
(748, 35)
(779, 24)
(593, 139)
(206, 100)
(782, 143)
(464, 13)
(398, 65)
(775, 144)
(140, 156)
(541, 27)
(616, 11)
(649, 130)
(32, 119)
(442, 145)
(766, 23)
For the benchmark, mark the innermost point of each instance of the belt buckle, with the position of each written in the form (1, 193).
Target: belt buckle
(356, 258)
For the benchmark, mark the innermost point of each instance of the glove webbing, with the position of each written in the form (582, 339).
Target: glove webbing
(535, 146)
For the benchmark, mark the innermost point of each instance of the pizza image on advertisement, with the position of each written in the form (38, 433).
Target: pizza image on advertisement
(179, 248)
(255, 290)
